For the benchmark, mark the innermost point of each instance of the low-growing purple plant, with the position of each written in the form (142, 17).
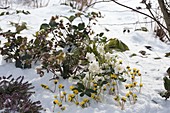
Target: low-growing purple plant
(15, 96)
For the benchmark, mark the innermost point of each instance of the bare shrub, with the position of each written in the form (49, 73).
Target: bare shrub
(30, 3)
(80, 4)
(40, 3)
(5, 3)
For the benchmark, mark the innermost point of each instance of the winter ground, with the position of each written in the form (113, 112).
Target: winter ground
(152, 69)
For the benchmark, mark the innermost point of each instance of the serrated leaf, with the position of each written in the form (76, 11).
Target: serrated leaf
(115, 44)
(122, 46)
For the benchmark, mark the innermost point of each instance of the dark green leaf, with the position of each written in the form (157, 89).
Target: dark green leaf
(80, 90)
(65, 72)
(132, 55)
(167, 83)
(3, 13)
(165, 94)
(94, 13)
(81, 86)
(144, 29)
(37, 41)
(101, 34)
(53, 23)
(157, 58)
(71, 18)
(104, 82)
(18, 63)
(81, 94)
(103, 39)
(75, 77)
(88, 92)
(44, 26)
(122, 79)
(26, 56)
(107, 30)
(167, 54)
(81, 26)
(27, 66)
(168, 72)
(75, 27)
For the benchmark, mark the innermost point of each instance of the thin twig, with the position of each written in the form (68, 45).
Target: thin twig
(4, 7)
(96, 3)
(115, 11)
(143, 14)
(127, 23)
(155, 19)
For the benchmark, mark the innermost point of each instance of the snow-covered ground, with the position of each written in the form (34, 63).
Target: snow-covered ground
(115, 19)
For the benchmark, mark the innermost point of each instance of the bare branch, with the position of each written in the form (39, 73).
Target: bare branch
(127, 23)
(96, 3)
(4, 7)
(153, 18)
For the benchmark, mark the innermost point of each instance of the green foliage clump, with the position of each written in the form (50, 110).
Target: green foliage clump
(73, 41)
(59, 46)
(18, 49)
(166, 94)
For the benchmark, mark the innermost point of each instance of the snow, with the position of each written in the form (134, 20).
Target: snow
(153, 70)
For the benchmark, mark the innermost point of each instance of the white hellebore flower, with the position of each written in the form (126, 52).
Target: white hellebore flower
(94, 67)
(97, 78)
(100, 49)
(108, 56)
(118, 69)
(90, 57)
(87, 76)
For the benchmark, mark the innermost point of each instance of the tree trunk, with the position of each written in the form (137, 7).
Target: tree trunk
(166, 14)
